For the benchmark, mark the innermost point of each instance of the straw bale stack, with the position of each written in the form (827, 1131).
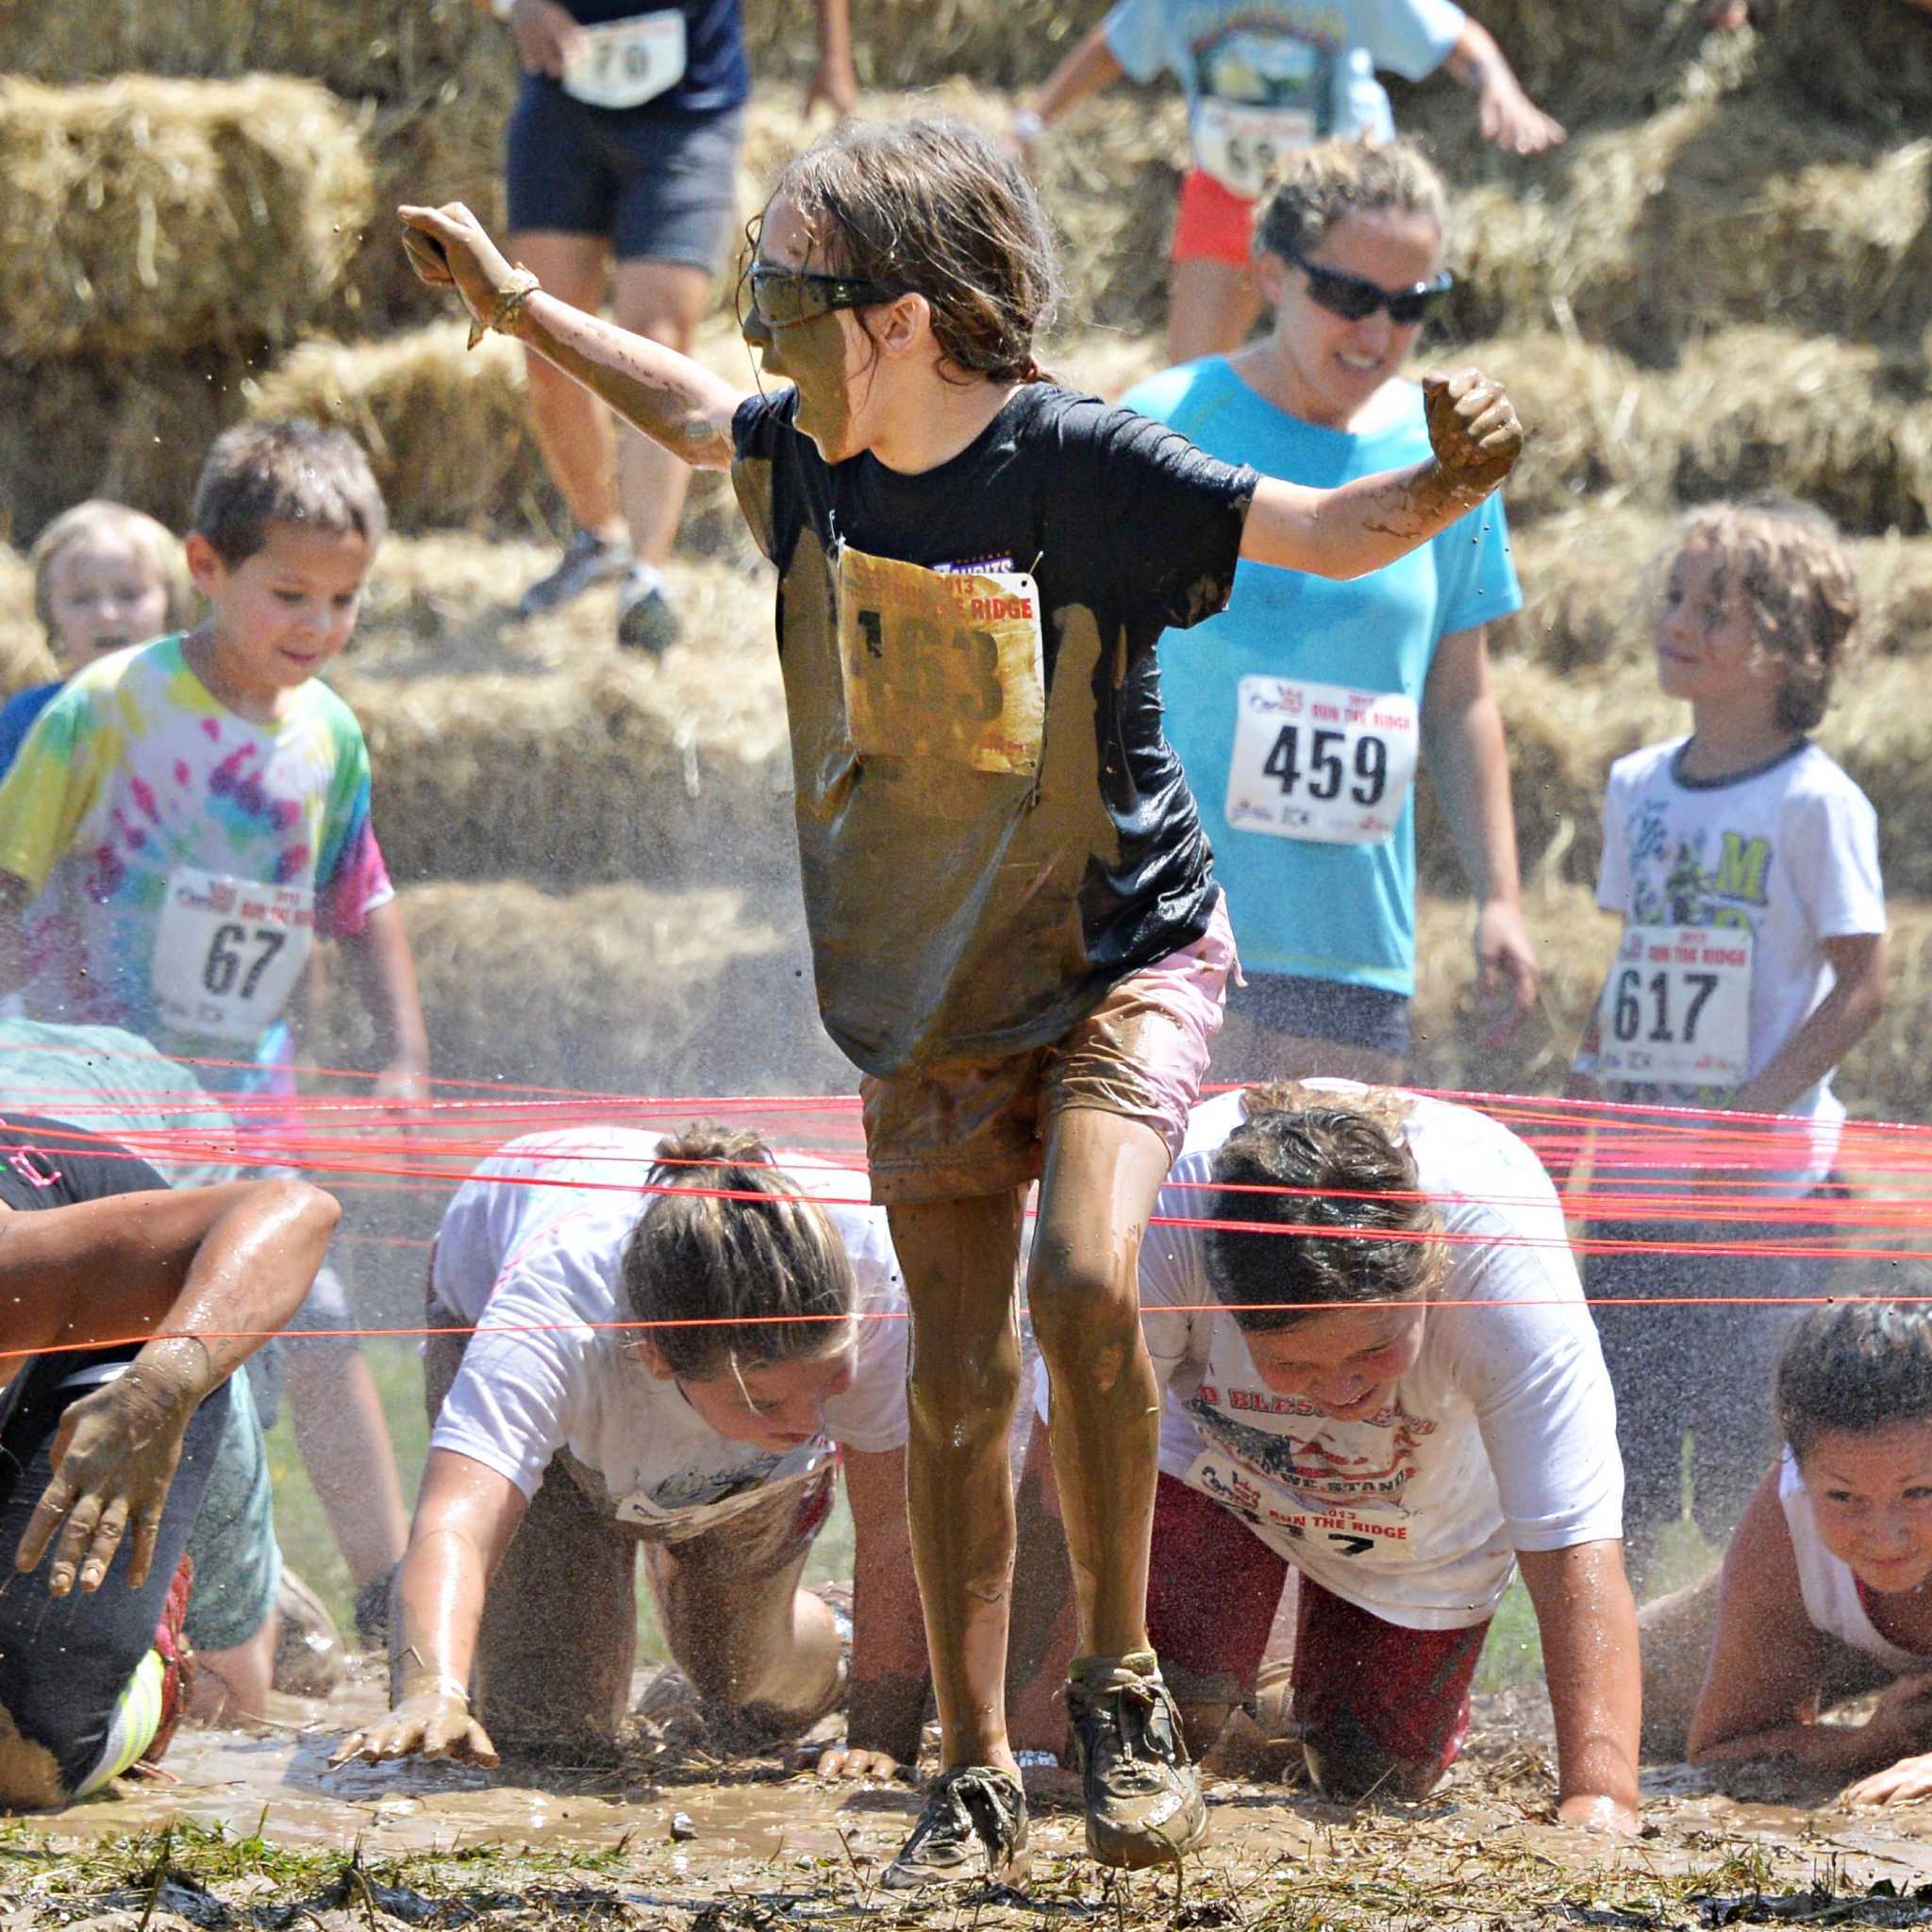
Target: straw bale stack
(1741, 209)
(1864, 59)
(902, 43)
(675, 770)
(1595, 423)
(24, 658)
(1846, 425)
(136, 431)
(443, 426)
(164, 215)
(618, 988)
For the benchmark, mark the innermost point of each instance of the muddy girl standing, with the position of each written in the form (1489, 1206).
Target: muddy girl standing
(1015, 930)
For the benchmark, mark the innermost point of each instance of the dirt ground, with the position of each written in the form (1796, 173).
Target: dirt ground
(255, 1831)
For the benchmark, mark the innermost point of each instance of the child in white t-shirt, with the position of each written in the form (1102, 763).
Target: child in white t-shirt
(1745, 864)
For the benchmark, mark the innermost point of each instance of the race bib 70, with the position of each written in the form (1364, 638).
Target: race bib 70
(626, 62)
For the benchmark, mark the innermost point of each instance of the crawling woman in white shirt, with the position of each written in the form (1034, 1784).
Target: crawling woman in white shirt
(772, 1350)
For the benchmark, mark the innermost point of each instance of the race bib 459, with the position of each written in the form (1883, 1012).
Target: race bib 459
(1319, 761)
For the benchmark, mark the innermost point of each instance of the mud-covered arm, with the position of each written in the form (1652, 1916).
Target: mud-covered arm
(465, 1521)
(1587, 1619)
(1371, 520)
(672, 399)
(886, 1703)
(211, 1273)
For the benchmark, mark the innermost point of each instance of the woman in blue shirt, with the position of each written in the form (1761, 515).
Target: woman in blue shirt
(1301, 711)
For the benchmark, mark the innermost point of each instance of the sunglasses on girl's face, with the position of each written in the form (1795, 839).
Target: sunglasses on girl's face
(780, 297)
(1354, 298)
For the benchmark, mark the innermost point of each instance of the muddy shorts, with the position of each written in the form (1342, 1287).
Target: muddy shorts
(1363, 1688)
(63, 1660)
(1214, 223)
(960, 1129)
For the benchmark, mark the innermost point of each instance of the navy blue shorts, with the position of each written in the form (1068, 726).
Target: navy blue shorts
(1334, 1009)
(660, 187)
(63, 1660)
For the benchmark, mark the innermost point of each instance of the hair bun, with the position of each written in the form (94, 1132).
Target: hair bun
(706, 1143)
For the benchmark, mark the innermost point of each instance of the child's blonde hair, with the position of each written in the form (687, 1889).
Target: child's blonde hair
(1785, 562)
(1322, 185)
(156, 546)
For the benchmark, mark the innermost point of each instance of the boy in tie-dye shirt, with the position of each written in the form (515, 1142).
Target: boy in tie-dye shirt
(186, 819)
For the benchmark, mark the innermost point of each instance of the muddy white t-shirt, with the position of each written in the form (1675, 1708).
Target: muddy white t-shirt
(529, 1251)
(1502, 1437)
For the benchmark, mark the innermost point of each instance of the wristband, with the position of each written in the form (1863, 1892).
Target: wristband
(509, 305)
(1027, 125)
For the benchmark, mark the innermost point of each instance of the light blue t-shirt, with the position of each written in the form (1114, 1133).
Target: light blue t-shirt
(1324, 911)
(1312, 58)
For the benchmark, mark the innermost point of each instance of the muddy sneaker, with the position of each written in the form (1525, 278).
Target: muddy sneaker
(645, 621)
(587, 559)
(973, 1827)
(178, 1660)
(1143, 1803)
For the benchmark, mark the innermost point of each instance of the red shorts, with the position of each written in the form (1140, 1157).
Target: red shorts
(1408, 1690)
(1213, 223)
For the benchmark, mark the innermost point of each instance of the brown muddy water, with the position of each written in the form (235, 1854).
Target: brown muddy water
(256, 1831)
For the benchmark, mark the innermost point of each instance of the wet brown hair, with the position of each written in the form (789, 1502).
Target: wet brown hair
(290, 472)
(933, 207)
(1855, 1365)
(156, 546)
(1326, 184)
(744, 1268)
(1348, 1151)
(1785, 561)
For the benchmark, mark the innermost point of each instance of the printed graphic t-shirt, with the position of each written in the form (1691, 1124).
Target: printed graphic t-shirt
(1309, 64)
(1788, 853)
(1341, 911)
(993, 829)
(717, 74)
(529, 1252)
(1502, 1437)
(183, 857)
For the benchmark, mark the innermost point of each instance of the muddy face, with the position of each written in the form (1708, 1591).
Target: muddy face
(823, 355)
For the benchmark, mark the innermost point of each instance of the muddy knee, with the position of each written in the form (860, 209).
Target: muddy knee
(1086, 1319)
(962, 1398)
(1347, 1763)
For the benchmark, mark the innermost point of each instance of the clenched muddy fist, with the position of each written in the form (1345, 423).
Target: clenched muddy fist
(1473, 430)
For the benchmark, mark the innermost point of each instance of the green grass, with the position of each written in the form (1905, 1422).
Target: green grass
(304, 1532)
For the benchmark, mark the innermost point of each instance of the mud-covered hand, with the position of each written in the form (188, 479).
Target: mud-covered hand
(846, 1763)
(435, 1723)
(1897, 1784)
(1473, 430)
(448, 246)
(115, 1459)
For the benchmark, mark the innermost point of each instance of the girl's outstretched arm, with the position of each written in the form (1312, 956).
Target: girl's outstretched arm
(676, 401)
(1348, 531)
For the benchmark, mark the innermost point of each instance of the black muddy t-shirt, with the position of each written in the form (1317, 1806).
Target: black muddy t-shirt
(992, 827)
(49, 1163)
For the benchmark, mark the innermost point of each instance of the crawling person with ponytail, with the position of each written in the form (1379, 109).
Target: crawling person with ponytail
(1825, 1594)
(1015, 928)
(765, 1338)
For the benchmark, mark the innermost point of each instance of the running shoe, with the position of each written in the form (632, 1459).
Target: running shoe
(587, 559)
(1144, 1801)
(646, 620)
(973, 1827)
(177, 1659)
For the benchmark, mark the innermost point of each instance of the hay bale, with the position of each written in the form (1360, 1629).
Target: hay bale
(136, 431)
(1742, 209)
(1845, 426)
(617, 989)
(24, 658)
(609, 769)
(1594, 423)
(900, 43)
(443, 426)
(1864, 61)
(166, 215)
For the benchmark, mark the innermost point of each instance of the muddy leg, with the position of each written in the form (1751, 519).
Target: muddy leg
(1103, 1173)
(960, 1260)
